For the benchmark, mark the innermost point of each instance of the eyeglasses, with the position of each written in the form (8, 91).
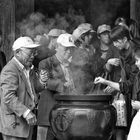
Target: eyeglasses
(30, 52)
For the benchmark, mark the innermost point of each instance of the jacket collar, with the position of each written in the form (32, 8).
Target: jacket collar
(20, 64)
(22, 75)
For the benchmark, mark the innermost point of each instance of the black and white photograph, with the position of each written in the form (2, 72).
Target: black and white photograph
(69, 69)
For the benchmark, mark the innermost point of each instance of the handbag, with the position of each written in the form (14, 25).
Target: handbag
(120, 104)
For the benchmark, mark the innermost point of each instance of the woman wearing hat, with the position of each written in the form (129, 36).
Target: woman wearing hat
(82, 57)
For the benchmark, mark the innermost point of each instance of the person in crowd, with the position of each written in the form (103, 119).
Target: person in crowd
(131, 24)
(60, 82)
(53, 35)
(2, 55)
(48, 44)
(49, 41)
(90, 62)
(121, 21)
(2, 60)
(19, 85)
(83, 35)
(82, 57)
(134, 29)
(121, 39)
(43, 51)
(103, 35)
(105, 53)
(110, 68)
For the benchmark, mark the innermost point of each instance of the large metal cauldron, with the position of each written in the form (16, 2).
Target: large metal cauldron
(83, 117)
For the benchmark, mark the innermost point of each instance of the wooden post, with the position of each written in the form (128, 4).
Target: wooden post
(10, 13)
(23, 9)
(133, 9)
(7, 10)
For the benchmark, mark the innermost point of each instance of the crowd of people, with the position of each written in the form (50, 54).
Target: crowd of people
(84, 62)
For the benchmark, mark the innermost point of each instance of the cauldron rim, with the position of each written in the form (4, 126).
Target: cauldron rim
(87, 97)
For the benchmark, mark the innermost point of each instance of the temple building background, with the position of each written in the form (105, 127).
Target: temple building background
(16, 12)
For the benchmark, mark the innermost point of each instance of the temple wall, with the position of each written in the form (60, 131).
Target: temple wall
(100, 11)
(135, 10)
(7, 22)
(10, 12)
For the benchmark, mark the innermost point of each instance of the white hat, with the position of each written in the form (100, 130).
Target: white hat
(24, 42)
(103, 28)
(66, 40)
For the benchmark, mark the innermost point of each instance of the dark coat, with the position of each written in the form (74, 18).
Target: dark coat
(2, 60)
(128, 73)
(55, 86)
(136, 88)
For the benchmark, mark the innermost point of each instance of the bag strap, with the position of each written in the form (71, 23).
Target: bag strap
(123, 73)
(120, 96)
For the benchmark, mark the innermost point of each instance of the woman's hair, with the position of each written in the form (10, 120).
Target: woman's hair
(119, 32)
(129, 23)
(120, 21)
(136, 52)
(136, 47)
(133, 28)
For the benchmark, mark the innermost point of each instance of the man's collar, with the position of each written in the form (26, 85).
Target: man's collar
(21, 65)
(64, 63)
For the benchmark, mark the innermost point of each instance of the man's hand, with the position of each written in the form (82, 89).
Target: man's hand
(99, 80)
(114, 61)
(67, 84)
(44, 76)
(31, 118)
(135, 104)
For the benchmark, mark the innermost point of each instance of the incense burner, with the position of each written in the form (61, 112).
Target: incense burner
(83, 117)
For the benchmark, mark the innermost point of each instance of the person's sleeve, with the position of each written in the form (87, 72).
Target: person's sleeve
(26, 113)
(3, 59)
(54, 84)
(9, 95)
(127, 85)
(38, 85)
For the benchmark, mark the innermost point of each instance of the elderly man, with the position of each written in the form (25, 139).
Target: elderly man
(18, 86)
(60, 82)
